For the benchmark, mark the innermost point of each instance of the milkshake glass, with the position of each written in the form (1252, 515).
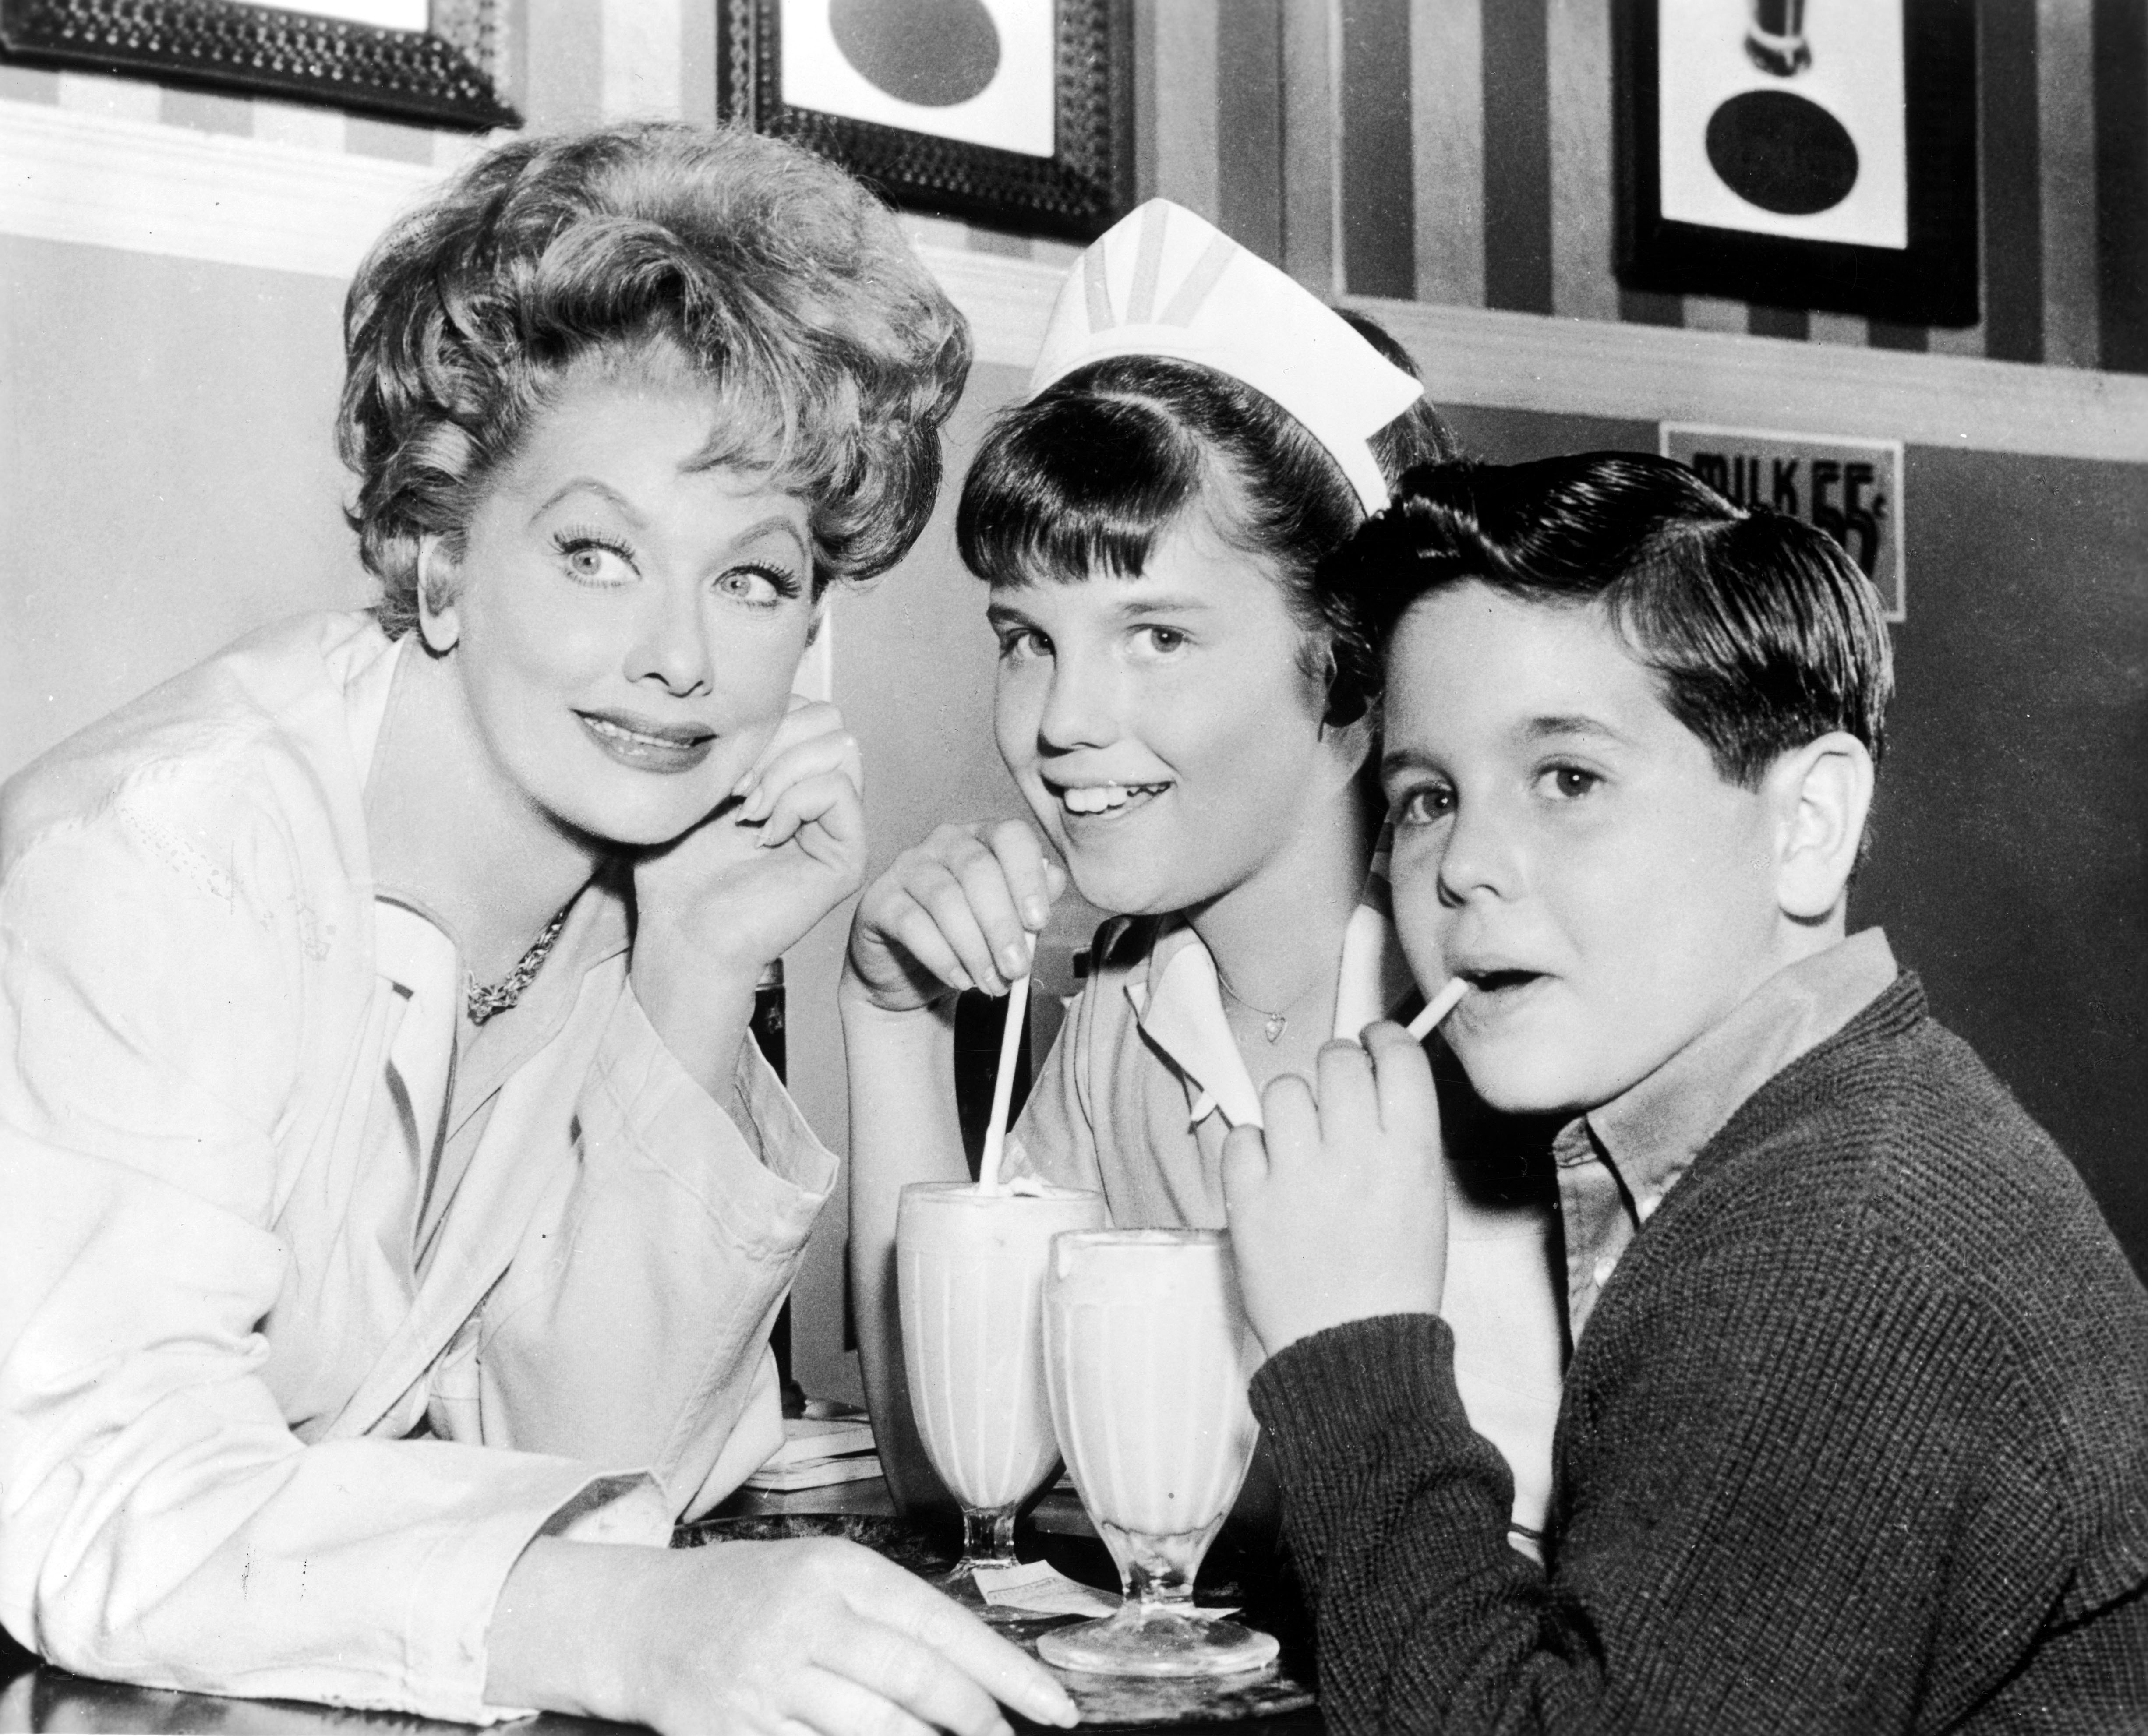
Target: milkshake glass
(968, 1278)
(1148, 1353)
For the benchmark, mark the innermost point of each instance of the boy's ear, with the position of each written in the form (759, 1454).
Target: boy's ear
(1821, 793)
(438, 623)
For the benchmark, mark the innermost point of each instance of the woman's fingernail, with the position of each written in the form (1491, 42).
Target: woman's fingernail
(1054, 1706)
(1014, 959)
(746, 782)
(1036, 913)
(757, 805)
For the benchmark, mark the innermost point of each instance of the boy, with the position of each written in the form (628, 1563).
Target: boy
(1854, 1432)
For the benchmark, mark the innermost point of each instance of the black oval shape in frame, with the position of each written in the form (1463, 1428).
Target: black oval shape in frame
(1782, 152)
(933, 53)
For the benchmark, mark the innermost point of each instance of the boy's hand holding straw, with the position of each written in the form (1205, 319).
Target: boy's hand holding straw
(1338, 1207)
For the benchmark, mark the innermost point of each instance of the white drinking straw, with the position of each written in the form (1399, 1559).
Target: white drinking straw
(1437, 1008)
(1017, 1009)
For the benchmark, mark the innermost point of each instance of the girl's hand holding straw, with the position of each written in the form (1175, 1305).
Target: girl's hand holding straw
(959, 912)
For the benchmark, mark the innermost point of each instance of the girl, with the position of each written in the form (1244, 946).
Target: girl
(1190, 731)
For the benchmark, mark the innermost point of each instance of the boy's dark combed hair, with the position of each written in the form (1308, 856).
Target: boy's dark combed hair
(1087, 475)
(1762, 632)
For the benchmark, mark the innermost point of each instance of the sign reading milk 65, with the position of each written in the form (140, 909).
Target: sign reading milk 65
(1852, 489)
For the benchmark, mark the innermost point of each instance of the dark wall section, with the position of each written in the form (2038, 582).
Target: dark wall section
(2009, 161)
(2010, 860)
(2008, 866)
(2120, 30)
(1379, 237)
(1517, 165)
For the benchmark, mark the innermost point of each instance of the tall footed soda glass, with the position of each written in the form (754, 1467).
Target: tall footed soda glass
(969, 1280)
(1148, 1353)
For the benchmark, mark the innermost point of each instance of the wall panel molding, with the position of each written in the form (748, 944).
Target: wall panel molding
(103, 180)
(1647, 373)
(1521, 361)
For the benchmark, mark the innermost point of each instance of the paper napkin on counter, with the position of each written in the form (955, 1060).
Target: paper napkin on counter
(1042, 1589)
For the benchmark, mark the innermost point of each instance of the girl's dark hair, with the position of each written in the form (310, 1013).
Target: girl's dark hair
(1761, 632)
(761, 274)
(1087, 475)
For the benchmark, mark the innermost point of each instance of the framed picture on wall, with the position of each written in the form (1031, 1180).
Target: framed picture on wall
(404, 59)
(1800, 153)
(1013, 113)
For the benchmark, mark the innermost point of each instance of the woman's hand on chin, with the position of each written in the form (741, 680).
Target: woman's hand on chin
(714, 906)
(817, 1635)
(960, 911)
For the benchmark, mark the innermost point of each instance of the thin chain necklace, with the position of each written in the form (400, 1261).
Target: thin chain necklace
(484, 1000)
(1272, 1024)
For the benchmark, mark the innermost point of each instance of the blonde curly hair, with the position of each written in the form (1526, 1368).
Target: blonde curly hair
(768, 276)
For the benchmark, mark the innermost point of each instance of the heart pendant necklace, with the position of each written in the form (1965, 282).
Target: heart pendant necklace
(1272, 1024)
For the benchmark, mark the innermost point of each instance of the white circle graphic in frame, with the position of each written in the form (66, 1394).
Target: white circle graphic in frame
(978, 72)
(1729, 126)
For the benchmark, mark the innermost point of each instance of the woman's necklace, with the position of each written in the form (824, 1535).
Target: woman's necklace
(1272, 1024)
(484, 1000)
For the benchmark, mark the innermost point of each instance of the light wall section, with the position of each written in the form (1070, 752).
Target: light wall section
(169, 359)
(167, 479)
(1578, 53)
(1446, 145)
(2065, 84)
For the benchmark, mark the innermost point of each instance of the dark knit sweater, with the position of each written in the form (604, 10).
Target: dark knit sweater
(1856, 1440)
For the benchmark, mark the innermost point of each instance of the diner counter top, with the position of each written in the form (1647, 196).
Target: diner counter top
(35, 1697)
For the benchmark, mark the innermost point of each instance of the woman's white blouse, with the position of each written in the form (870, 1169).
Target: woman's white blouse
(250, 1239)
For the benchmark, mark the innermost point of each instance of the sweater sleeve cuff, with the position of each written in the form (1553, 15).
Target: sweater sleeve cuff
(1329, 1400)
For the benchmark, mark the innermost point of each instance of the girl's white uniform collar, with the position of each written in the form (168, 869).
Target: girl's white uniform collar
(1179, 1008)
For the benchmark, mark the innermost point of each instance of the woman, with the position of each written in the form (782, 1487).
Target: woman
(377, 1089)
(1190, 731)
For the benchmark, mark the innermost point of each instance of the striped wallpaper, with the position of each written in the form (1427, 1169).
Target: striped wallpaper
(1460, 152)
(1448, 151)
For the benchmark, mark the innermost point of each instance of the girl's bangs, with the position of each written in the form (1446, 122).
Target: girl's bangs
(1066, 489)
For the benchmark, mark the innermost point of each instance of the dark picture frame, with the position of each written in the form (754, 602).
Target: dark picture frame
(1934, 281)
(1075, 194)
(443, 77)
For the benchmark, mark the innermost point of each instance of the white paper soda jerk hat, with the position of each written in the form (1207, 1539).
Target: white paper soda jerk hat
(1163, 282)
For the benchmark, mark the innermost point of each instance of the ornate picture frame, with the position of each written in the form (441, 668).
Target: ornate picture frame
(1075, 192)
(1925, 273)
(446, 75)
